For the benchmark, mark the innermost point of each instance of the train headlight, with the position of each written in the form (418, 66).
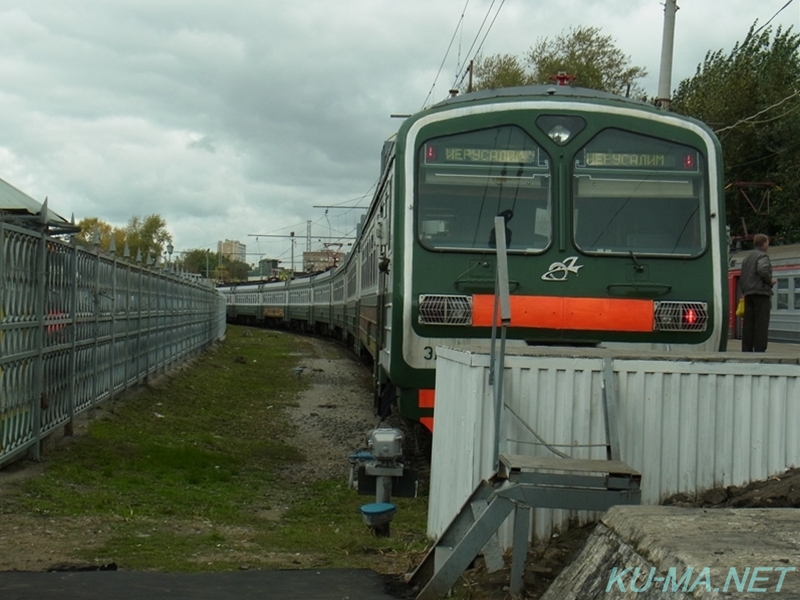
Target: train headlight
(440, 309)
(681, 316)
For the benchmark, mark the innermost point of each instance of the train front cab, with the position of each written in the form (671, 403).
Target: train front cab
(612, 223)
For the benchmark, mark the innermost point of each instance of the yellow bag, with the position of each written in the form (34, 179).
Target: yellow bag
(740, 307)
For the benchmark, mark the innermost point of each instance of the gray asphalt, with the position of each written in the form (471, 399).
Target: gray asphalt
(323, 584)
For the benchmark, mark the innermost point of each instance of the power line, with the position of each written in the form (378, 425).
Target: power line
(773, 16)
(499, 8)
(760, 158)
(486, 16)
(447, 52)
(321, 237)
(478, 51)
(338, 206)
(761, 112)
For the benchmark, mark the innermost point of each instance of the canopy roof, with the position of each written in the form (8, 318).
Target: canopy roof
(15, 203)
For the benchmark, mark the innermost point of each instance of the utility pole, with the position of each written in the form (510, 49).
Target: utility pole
(665, 75)
(308, 245)
(291, 235)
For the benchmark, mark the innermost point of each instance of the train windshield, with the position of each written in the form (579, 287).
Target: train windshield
(633, 193)
(466, 180)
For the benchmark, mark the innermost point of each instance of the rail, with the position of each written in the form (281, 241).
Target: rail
(79, 326)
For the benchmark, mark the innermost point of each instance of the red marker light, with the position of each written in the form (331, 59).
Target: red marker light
(688, 162)
(430, 153)
(690, 316)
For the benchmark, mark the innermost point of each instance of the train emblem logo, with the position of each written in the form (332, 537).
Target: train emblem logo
(560, 270)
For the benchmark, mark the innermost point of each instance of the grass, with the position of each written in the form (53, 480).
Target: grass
(184, 475)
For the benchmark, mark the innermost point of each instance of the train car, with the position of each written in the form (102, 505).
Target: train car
(784, 322)
(614, 226)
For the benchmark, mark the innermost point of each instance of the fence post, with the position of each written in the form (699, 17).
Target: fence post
(96, 333)
(73, 352)
(128, 320)
(114, 298)
(38, 361)
(3, 411)
(139, 343)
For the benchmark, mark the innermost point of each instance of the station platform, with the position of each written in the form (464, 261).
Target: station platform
(323, 584)
(773, 349)
(650, 552)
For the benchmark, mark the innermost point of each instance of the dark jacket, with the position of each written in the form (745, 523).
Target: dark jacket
(756, 274)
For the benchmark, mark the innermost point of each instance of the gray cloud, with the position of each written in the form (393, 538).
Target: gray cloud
(235, 119)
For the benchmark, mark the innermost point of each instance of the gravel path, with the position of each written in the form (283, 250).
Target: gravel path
(333, 415)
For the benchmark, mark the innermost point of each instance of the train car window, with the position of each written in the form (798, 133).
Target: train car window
(782, 297)
(634, 193)
(797, 293)
(465, 180)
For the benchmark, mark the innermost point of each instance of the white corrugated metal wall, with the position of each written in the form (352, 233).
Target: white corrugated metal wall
(686, 425)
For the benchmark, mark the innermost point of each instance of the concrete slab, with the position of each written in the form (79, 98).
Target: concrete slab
(663, 552)
(323, 584)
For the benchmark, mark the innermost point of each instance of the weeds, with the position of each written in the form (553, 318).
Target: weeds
(184, 475)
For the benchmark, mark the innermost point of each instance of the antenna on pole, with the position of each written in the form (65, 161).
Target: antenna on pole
(665, 75)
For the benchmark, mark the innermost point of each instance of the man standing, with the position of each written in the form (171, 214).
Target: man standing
(756, 284)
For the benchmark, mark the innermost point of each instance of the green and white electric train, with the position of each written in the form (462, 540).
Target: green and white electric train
(615, 232)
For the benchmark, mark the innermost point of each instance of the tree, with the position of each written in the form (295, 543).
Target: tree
(236, 270)
(583, 52)
(148, 235)
(592, 58)
(145, 235)
(500, 71)
(751, 98)
(90, 225)
(230, 270)
(203, 262)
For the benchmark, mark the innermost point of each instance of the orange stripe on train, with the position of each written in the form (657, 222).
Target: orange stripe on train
(559, 312)
(427, 422)
(426, 398)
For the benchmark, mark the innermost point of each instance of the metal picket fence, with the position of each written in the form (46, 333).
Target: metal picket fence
(79, 326)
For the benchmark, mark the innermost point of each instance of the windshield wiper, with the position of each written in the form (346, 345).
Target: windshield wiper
(636, 264)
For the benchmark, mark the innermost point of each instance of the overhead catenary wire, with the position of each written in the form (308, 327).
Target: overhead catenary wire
(756, 31)
(459, 27)
(480, 47)
(469, 55)
(773, 16)
(447, 53)
(759, 113)
(765, 157)
(323, 220)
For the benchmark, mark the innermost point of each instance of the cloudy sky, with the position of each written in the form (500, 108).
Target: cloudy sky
(233, 119)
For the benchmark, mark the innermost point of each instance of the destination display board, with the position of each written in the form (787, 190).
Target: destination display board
(495, 148)
(447, 154)
(618, 150)
(683, 161)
